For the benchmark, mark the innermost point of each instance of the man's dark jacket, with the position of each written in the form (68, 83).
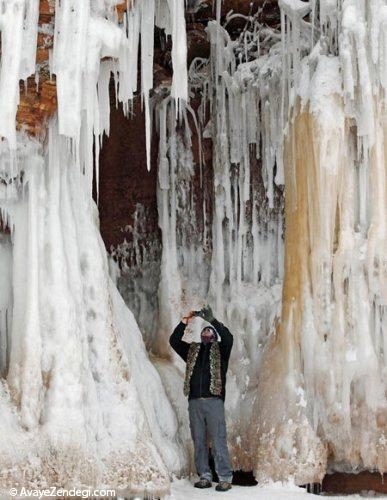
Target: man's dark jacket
(200, 380)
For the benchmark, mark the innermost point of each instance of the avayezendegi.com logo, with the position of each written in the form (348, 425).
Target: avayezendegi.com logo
(54, 492)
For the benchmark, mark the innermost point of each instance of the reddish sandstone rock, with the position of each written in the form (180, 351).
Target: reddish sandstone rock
(37, 105)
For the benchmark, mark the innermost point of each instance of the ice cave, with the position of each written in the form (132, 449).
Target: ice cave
(160, 155)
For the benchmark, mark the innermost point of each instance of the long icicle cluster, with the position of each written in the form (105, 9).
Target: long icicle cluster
(222, 224)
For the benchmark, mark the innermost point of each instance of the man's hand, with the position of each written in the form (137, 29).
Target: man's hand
(187, 318)
(206, 313)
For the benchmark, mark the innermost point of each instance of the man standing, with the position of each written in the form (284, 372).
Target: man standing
(205, 382)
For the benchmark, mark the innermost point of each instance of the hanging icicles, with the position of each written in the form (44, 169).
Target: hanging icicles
(19, 29)
(86, 32)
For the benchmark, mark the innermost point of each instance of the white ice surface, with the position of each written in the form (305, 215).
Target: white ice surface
(78, 367)
(184, 490)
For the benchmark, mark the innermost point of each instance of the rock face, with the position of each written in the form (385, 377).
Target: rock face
(125, 181)
(38, 98)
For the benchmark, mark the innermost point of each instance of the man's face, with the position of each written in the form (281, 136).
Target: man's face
(207, 335)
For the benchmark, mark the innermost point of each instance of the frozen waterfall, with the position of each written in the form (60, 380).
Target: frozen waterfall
(282, 232)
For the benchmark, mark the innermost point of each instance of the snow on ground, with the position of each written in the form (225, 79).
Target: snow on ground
(183, 489)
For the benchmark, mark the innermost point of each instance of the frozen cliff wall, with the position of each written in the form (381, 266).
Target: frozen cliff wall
(308, 100)
(328, 356)
(248, 294)
(72, 356)
(296, 108)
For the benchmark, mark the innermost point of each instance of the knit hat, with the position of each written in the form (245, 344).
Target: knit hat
(194, 329)
(206, 339)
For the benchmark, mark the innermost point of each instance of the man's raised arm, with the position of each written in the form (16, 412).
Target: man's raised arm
(225, 335)
(176, 339)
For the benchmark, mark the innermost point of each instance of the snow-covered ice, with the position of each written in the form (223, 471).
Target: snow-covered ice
(183, 489)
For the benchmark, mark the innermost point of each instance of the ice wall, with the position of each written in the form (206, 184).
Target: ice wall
(327, 359)
(305, 108)
(73, 412)
(77, 360)
(222, 232)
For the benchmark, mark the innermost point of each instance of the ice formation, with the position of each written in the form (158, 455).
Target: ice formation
(304, 109)
(74, 406)
(307, 105)
(328, 357)
(228, 250)
(86, 32)
(81, 403)
(19, 31)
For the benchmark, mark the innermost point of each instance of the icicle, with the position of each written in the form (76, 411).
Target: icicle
(30, 35)
(147, 30)
(128, 57)
(69, 61)
(179, 89)
(5, 297)
(170, 280)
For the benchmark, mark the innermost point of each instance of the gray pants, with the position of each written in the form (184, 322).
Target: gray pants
(206, 417)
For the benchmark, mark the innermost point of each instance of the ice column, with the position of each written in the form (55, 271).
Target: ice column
(72, 411)
(327, 357)
(77, 358)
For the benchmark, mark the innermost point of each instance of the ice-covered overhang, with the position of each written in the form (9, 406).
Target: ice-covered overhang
(59, 49)
(38, 98)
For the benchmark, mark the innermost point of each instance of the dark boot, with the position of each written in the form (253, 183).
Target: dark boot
(223, 486)
(203, 483)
